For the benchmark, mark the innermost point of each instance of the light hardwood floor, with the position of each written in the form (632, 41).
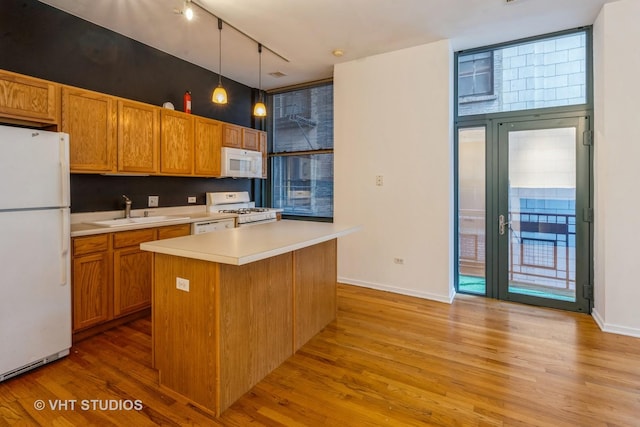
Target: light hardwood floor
(388, 360)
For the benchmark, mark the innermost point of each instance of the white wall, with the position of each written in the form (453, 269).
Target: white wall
(617, 168)
(393, 117)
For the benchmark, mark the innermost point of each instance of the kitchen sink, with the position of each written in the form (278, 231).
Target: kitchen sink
(118, 222)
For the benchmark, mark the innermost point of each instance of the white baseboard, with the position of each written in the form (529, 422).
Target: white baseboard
(448, 299)
(614, 329)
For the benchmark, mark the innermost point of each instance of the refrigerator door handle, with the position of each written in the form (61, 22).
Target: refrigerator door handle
(64, 169)
(64, 254)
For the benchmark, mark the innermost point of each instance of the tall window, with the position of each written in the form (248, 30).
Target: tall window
(302, 151)
(541, 73)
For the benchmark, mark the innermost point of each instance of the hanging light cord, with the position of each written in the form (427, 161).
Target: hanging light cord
(219, 52)
(260, 71)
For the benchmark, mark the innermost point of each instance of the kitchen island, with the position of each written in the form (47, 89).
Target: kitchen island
(229, 307)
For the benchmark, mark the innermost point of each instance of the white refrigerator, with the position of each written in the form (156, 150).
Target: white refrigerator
(35, 269)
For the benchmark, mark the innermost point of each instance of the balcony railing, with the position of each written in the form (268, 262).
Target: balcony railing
(542, 248)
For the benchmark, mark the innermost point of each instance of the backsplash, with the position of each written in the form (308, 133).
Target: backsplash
(92, 193)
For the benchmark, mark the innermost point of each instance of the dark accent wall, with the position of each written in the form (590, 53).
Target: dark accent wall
(89, 191)
(41, 41)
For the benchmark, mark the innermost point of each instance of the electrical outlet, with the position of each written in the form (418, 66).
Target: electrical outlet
(191, 199)
(182, 284)
(399, 261)
(153, 201)
(379, 180)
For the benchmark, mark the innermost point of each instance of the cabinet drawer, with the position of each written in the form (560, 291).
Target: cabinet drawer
(123, 239)
(171, 231)
(90, 244)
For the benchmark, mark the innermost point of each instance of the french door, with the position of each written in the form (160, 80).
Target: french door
(524, 217)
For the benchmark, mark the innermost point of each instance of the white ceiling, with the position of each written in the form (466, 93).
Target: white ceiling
(306, 31)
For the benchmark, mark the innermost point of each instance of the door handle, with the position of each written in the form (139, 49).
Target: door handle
(501, 224)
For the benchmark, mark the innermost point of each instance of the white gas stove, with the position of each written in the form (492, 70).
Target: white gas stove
(239, 202)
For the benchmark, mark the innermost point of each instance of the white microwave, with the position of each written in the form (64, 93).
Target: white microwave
(238, 163)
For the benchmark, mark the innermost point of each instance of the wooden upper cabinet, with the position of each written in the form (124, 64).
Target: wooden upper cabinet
(27, 99)
(231, 135)
(250, 139)
(176, 142)
(138, 137)
(90, 120)
(262, 137)
(208, 141)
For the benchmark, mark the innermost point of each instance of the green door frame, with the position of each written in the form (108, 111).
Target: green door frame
(583, 205)
(496, 166)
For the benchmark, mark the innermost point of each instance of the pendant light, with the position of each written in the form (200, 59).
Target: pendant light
(260, 110)
(219, 95)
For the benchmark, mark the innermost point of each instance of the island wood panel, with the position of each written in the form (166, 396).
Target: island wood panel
(240, 319)
(185, 332)
(315, 290)
(138, 137)
(256, 323)
(90, 120)
(176, 142)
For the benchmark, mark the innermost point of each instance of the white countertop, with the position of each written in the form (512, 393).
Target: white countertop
(81, 222)
(238, 246)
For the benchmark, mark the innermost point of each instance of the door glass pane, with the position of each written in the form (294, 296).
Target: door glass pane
(471, 210)
(542, 213)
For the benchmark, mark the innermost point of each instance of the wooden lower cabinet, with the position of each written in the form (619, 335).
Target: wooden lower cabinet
(112, 277)
(91, 289)
(131, 271)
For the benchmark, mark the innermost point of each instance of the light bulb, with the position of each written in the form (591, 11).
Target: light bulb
(219, 95)
(188, 12)
(259, 110)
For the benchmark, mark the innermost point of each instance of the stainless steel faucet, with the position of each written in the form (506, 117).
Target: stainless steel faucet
(127, 206)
